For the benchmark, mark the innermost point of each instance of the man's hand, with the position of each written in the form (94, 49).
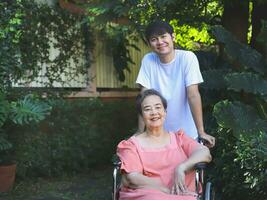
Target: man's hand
(208, 138)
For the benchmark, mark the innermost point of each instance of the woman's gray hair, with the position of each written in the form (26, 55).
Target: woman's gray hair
(150, 92)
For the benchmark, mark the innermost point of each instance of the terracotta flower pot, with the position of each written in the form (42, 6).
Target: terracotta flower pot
(7, 177)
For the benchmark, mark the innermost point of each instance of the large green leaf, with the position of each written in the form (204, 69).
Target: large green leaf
(248, 82)
(29, 110)
(237, 52)
(239, 117)
(221, 34)
(214, 79)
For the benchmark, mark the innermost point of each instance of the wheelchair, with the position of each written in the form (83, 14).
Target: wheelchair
(204, 191)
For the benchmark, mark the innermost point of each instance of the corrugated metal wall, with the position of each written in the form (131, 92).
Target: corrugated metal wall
(106, 76)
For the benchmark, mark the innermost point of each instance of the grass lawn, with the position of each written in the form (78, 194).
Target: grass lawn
(92, 186)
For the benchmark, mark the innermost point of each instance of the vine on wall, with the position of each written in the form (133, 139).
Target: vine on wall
(40, 28)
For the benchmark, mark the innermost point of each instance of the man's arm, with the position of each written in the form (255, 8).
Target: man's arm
(195, 104)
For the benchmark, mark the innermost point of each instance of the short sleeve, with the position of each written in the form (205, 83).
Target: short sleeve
(192, 71)
(187, 143)
(143, 77)
(130, 160)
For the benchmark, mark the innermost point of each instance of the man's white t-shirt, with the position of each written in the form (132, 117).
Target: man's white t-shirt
(171, 80)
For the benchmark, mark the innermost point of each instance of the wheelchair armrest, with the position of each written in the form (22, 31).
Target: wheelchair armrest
(116, 161)
(200, 166)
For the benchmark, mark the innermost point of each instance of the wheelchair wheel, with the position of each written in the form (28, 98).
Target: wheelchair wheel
(209, 192)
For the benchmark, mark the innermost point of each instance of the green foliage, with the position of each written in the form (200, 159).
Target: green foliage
(246, 57)
(4, 106)
(28, 33)
(102, 16)
(262, 38)
(24, 45)
(217, 82)
(28, 110)
(118, 43)
(23, 111)
(191, 38)
(249, 151)
(78, 135)
(238, 76)
(105, 16)
(238, 117)
(247, 81)
(4, 144)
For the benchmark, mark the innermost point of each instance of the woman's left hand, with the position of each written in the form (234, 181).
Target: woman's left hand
(179, 186)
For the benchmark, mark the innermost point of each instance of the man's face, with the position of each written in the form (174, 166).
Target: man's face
(162, 44)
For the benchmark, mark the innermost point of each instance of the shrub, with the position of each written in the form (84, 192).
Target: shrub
(235, 95)
(79, 135)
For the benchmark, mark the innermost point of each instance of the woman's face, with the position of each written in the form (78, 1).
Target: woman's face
(153, 111)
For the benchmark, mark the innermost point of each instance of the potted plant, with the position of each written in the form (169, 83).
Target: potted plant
(27, 110)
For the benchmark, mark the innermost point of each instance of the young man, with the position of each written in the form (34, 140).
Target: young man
(176, 75)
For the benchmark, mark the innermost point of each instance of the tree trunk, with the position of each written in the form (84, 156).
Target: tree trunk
(259, 13)
(235, 18)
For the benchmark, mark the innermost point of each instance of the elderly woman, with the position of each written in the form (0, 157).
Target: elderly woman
(157, 165)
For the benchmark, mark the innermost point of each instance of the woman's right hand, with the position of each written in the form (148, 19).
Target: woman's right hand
(179, 186)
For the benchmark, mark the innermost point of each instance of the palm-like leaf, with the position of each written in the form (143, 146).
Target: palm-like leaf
(29, 110)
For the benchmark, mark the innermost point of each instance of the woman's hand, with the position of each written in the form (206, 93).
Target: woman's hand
(179, 186)
(137, 180)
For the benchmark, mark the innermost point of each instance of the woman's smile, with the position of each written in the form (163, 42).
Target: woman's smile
(153, 111)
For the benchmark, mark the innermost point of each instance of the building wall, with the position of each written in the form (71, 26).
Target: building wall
(106, 76)
(101, 74)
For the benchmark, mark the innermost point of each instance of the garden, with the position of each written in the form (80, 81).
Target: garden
(60, 146)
